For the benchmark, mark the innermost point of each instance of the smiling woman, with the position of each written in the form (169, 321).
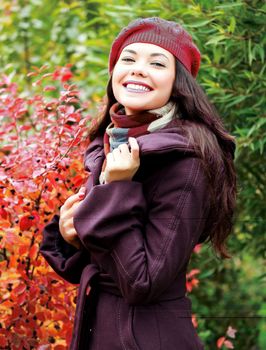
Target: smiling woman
(162, 180)
(145, 69)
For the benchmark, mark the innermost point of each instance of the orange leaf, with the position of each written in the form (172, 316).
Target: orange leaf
(23, 249)
(32, 74)
(194, 282)
(12, 261)
(59, 347)
(46, 75)
(33, 251)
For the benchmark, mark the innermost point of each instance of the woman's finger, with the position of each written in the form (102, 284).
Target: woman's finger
(124, 149)
(116, 152)
(110, 157)
(72, 233)
(74, 198)
(134, 147)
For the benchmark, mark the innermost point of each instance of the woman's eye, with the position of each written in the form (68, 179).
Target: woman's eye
(158, 64)
(127, 59)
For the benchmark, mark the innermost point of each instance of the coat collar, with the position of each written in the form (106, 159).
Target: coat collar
(160, 142)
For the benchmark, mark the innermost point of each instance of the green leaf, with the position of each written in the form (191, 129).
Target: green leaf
(198, 24)
(216, 39)
(261, 53)
(232, 25)
(206, 273)
(229, 6)
(237, 100)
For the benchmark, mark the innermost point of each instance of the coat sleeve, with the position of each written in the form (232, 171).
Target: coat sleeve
(67, 261)
(142, 245)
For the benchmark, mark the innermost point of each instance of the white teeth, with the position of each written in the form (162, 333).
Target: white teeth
(137, 87)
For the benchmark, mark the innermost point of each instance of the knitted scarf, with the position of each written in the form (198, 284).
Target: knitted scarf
(123, 126)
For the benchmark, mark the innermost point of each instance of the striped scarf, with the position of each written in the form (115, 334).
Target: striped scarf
(123, 126)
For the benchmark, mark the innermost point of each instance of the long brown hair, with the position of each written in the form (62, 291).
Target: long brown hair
(200, 121)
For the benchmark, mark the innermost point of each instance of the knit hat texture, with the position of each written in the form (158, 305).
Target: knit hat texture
(166, 34)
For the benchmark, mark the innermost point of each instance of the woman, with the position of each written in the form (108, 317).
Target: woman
(162, 180)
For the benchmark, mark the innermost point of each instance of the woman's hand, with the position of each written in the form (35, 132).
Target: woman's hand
(66, 225)
(121, 164)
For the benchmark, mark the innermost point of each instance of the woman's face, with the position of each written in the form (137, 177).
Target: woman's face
(143, 77)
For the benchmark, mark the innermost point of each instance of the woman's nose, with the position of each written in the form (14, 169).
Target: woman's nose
(138, 70)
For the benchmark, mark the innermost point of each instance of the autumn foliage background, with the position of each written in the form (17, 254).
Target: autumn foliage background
(53, 74)
(37, 176)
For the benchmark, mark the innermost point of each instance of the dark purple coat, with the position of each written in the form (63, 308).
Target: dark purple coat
(138, 237)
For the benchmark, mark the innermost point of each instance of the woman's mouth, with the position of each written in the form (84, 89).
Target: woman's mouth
(136, 88)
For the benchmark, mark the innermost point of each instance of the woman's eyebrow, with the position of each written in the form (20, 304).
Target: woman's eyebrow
(155, 54)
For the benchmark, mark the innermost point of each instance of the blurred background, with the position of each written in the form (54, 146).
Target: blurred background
(231, 38)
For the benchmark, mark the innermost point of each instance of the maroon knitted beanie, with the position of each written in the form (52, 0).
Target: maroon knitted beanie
(166, 34)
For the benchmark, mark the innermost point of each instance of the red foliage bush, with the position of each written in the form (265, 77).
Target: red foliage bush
(37, 174)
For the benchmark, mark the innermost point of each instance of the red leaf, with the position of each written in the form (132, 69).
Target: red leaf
(220, 342)
(49, 88)
(21, 299)
(197, 248)
(51, 178)
(3, 213)
(22, 112)
(188, 286)
(40, 316)
(25, 223)
(37, 82)
(19, 289)
(228, 344)
(192, 273)
(3, 341)
(194, 282)
(194, 320)
(66, 76)
(78, 180)
(25, 127)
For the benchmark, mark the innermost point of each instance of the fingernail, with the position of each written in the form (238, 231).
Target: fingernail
(82, 191)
